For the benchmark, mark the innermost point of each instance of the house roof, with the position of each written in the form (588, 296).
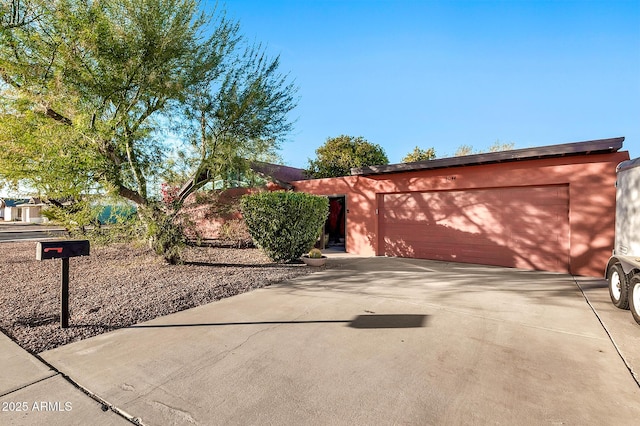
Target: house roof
(282, 175)
(12, 202)
(33, 202)
(576, 148)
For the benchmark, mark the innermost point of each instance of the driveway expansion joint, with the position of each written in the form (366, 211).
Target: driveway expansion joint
(53, 374)
(106, 406)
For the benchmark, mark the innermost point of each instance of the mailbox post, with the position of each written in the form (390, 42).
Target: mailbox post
(62, 249)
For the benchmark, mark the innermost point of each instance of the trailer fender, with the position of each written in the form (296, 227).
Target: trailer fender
(630, 264)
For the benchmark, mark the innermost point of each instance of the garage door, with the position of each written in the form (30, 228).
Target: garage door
(522, 227)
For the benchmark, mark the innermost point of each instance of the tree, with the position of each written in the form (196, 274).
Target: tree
(464, 150)
(497, 146)
(339, 155)
(500, 146)
(91, 91)
(419, 155)
(15, 13)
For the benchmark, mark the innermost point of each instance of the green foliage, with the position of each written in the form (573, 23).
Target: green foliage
(464, 150)
(93, 96)
(74, 217)
(85, 219)
(339, 155)
(497, 146)
(420, 155)
(121, 229)
(236, 231)
(165, 235)
(284, 224)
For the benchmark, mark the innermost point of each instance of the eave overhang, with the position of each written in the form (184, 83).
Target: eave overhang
(599, 146)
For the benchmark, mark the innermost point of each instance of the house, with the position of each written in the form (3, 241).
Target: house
(549, 208)
(9, 210)
(215, 214)
(24, 210)
(31, 211)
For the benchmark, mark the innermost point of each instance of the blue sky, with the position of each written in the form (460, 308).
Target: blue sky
(446, 73)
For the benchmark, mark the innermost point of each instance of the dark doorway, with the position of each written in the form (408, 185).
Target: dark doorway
(335, 226)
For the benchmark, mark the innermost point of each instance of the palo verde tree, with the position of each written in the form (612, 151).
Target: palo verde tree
(339, 155)
(90, 90)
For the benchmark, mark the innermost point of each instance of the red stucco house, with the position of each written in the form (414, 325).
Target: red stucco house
(549, 208)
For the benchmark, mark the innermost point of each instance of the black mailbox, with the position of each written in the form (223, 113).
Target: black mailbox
(61, 249)
(64, 249)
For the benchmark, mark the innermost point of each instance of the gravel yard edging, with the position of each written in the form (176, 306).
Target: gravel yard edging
(120, 285)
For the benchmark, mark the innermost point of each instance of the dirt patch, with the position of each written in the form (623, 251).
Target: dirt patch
(120, 285)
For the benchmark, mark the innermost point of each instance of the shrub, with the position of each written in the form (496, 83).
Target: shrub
(235, 230)
(284, 224)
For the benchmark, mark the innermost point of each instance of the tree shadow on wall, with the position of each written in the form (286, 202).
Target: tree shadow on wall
(514, 227)
(459, 246)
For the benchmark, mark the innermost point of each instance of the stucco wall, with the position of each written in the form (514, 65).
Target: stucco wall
(205, 213)
(591, 181)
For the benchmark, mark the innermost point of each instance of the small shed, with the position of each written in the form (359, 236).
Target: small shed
(549, 208)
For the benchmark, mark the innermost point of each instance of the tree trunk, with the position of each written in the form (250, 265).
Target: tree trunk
(164, 236)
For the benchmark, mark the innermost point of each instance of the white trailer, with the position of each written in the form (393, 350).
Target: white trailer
(623, 268)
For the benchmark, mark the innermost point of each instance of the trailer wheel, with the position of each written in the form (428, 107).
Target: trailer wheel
(618, 287)
(634, 297)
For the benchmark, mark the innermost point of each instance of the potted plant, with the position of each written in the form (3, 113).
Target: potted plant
(314, 258)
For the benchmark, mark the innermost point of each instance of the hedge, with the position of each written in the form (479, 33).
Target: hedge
(284, 224)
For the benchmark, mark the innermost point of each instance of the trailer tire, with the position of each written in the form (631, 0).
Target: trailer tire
(634, 297)
(618, 287)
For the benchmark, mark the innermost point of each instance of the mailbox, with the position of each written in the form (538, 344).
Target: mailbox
(64, 249)
(61, 249)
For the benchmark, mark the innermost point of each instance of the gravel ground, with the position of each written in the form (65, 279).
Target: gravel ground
(120, 285)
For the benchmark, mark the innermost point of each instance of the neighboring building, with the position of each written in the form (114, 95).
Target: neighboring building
(21, 210)
(31, 211)
(9, 211)
(550, 208)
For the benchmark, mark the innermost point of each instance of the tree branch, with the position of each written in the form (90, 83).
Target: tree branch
(132, 195)
(133, 163)
(58, 117)
(197, 181)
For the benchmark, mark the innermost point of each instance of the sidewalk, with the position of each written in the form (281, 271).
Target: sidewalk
(31, 392)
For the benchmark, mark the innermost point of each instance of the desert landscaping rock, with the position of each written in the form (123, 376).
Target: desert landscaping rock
(120, 285)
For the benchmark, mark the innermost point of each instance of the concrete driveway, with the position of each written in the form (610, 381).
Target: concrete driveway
(376, 341)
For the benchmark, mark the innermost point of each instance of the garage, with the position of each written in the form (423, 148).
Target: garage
(524, 227)
(548, 208)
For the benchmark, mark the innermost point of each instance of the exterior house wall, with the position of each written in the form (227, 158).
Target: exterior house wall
(361, 228)
(10, 213)
(32, 214)
(590, 179)
(206, 213)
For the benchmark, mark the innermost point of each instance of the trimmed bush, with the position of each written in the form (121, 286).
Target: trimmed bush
(284, 224)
